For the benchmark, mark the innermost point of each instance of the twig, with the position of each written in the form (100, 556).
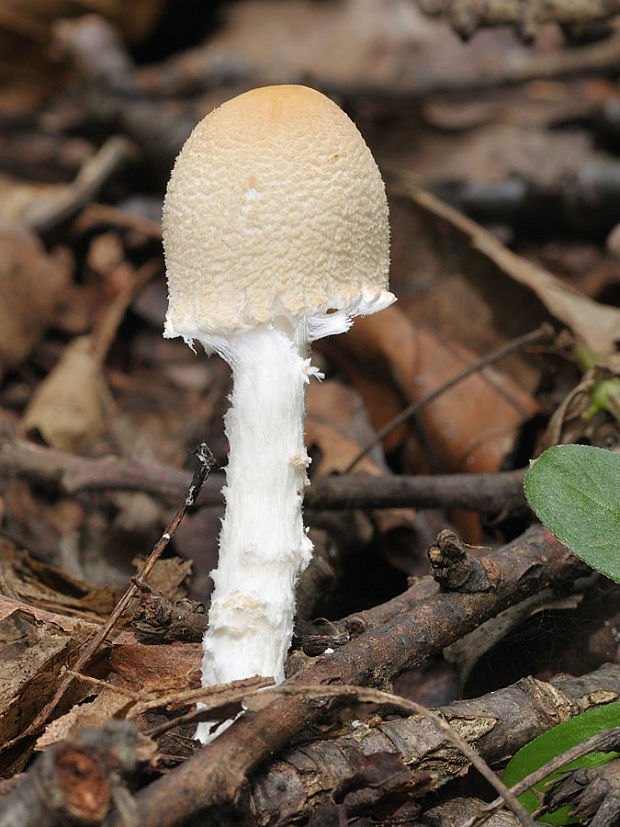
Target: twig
(488, 493)
(467, 16)
(376, 696)
(73, 782)
(105, 332)
(205, 463)
(541, 334)
(607, 741)
(215, 703)
(94, 215)
(72, 474)
(45, 213)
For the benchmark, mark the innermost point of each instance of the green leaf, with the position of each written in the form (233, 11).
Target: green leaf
(554, 742)
(575, 492)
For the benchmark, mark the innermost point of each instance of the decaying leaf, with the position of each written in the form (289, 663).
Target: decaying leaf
(471, 427)
(72, 405)
(337, 423)
(26, 579)
(33, 288)
(139, 667)
(570, 422)
(33, 654)
(597, 324)
(107, 704)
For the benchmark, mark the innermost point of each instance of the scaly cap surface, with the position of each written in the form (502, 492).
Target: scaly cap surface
(275, 207)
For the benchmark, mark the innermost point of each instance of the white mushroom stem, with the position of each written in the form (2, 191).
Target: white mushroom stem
(263, 545)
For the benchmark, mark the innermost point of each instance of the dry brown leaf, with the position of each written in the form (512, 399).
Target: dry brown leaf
(597, 324)
(449, 288)
(72, 405)
(472, 426)
(168, 577)
(161, 668)
(380, 38)
(107, 704)
(390, 44)
(26, 579)
(33, 654)
(33, 288)
(337, 423)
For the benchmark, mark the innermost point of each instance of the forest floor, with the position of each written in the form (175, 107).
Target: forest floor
(432, 585)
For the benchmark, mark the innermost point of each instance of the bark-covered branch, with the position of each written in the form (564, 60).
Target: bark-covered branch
(589, 792)
(73, 782)
(216, 775)
(487, 493)
(468, 16)
(497, 724)
(70, 474)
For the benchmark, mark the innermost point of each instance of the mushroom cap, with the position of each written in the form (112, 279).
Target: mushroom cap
(275, 208)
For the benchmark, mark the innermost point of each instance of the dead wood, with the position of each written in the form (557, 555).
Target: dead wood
(468, 16)
(591, 793)
(161, 619)
(216, 775)
(491, 493)
(71, 474)
(454, 568)
(606, 741)
(46, 213)
(497, 725)
(458, 809)
(73, 782)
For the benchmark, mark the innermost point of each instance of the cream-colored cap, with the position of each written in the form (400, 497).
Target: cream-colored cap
(275, 207)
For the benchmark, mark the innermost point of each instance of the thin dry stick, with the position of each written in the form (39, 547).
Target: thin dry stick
(105, 332)
(210, 700)
(206, 461)
(607, 741)
(541, 334)
(377, 696)
(46, 213)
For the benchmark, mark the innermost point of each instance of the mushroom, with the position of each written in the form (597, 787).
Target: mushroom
(275, 234)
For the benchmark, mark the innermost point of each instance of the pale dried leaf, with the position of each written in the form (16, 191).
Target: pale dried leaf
(33, 288)
(72, 405)
(597, 324)
(33, 654)
(107, 704)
